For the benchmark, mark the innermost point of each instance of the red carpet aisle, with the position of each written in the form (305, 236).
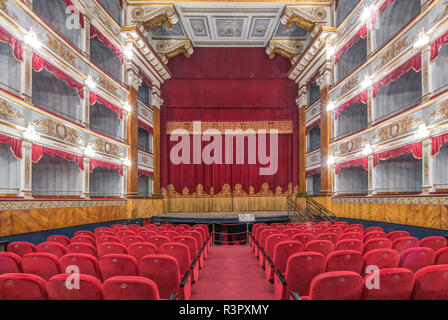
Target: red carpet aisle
(232, 273)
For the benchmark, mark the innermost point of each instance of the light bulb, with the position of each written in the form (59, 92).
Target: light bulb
(367, 82)
(127, 107)
(129, 54)
(367, 150)
(331, 106)
(422, 132)
(422, 41)
(330, 52)
(90, 83)
(31, 134)
(89, 152)
(331, 161)
(127, 162)
(366, 14)
(32, 40)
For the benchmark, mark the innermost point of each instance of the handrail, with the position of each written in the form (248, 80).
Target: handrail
(297, 214)
(320, 210)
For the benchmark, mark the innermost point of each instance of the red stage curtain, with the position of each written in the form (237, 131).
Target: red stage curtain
(414, 148)
(94, 32)
(364, 162)
(415, 63)
(362, 33)
(39, 63)
(145, 126)
(362, 97)
(145, 78)
(107, 165)
(437, 143)
(94, 98)
(14, 144)
(437, 44)
(142, 172)
(81, 16)
(312, 172)
(383, 8)
(15, 44)
(311, 126)
(247, 175)
(38, 151)
(312, 79)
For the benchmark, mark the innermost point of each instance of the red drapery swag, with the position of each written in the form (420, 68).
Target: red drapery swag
(94, 98)
(76, 10)
(14, 43)
(314, 124)
(312, 172)
(415, 63)
(107, 165)
(145, 78)
(14, 144)
(38, 151)
(312, 79)
(437, 44)
(364, 162)
(39, 63)
(142, 172)
(362, 33)
(414, 148)
(94, 32)
(437, 143)
(362, 97)
(145, 126)
(381, 9)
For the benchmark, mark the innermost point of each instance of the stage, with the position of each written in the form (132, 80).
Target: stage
(219, 217)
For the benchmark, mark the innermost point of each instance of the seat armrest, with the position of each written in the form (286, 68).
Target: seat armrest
(173, 296)
(268, 259)
(295, 295)
(196, 259)
(281, 277)
(184, 280)
(263, 252)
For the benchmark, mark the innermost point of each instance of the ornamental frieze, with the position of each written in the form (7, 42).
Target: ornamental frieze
(23, 205)
(63, 52)
(379, 200)
(107, 147)
(350, 85)
(107, 85)
(283, 127)
(58, 130)
(9, 113)
(396, 129)
(441, 112)
(392, 52)
(351, 145)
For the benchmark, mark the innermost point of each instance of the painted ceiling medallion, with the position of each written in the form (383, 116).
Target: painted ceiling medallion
(229, 27)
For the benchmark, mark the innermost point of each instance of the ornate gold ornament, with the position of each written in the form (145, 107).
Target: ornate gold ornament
(441, 112)
(58, 130)
(8, 113)
(396, 129)
(307, 18)
(171, 48)
(154, 15)
(351, 145)
(106, 84)
(107, 147)
(392, 52)
(283, 127)
(350, 84)
(289, 49)
(62, 51)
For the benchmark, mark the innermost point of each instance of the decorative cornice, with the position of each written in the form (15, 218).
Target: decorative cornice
(171, 48)
(289, 49)
(153, 15)
(48, 204)
(394, 200)
(304, 17)
(283, 127)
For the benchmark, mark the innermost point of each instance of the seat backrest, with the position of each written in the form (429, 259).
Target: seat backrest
(344, 260)
(264, 234)
(402, 244)
(146, 233)
(102, 233)
(373, 229)
(44, 265)
(256, 226)
(333, 237)
(111, 248)
(283, 250)
(190, 242)
(397, 234)
(85, 263)
(125, 233)
(79, 247)
(84, 233)
(180, 251)
(442, 256)
(392, 284)
(314, 231)
(272, 240)
(22, 286)
(321, 246)
(374, 235)
(134, 226)
(258, 232)
(85, 239)
(338, 285)
(304, 238)
(350, 244)
(354, 229)
(127, 240)
(381, 258)
(435, 243)
(157, 240)
(60, 287)
(163, 270)
(107, 238)
(290, 232)
(10, 263)
(335, 229)
(169, 234)
(374, 244)
(301, 269)
(196, 235)
(114, 265)
(201, 230)
(65, 241)
(21, 248)
(101, 229)
(52, 247)
(352, 236)
(116, 226)
(178, 230)
(416, 258)
(130, 288)
(431, 283)
(141, 249)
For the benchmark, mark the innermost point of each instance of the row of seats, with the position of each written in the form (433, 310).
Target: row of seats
(173, 264)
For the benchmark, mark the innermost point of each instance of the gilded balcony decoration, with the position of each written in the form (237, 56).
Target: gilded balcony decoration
(107, 147)
(441, 112)
(289, 49)
(58, 130)
(171, 48)
(397, 128)
(352, 145)
(8, 113)
(154, 15)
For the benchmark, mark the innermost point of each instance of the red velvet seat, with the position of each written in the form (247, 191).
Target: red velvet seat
(191, 243)
(374, 235)
(256, 235)
(324, 247)
(102, 229)
(402, 244)
(381, 258)
(181, 252)
(21, 248)
(393, 284)
(111, 248)
(114, 265)
(65, 241)
(54, 248)
(350, 244)
(10, 263)
(200, 241)
(262, 239)
(339, 285)
(90, 288)
(104, 233)
(397, 234)
(128, 240)
(44, 265)
(157, 240)
(85, 263)
(184, 225)
(344, 260)
(134, 226)
(352, 229)
(335, 229)
(271, 241)
(84, 233)
(301, 269)
(333, 237)
(304, 238)
(416, 258)
(290, 232)
(373, 229)
(178, 230)
(442, 256)
(167, 226)
(169, 234)
(435, 243)
(282, 251)
(140, 249)
(83, 239)
(130, 288)
(79, 247)
(117, 226)
(431, 283)
(122, 234)
(375, 244)
(164, 271)
(314, 231)
(22, 286)
(146, 233)
(107, 238)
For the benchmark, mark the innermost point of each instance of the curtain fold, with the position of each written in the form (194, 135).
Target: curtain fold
(312, 125)
(94, 32)
(437, 44)
(38, 151)
(361, 34)
(14, 43)
(14, 144)
(312, 79)
(142, 172)
(414, 148)
(364, 162)
(95, 98)
(107, 165)
(362, 97)
(40, 63)
(437, 143)
(145, 126)
(415, 63)
(381, 9)
(145, 78)
(313, 172)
